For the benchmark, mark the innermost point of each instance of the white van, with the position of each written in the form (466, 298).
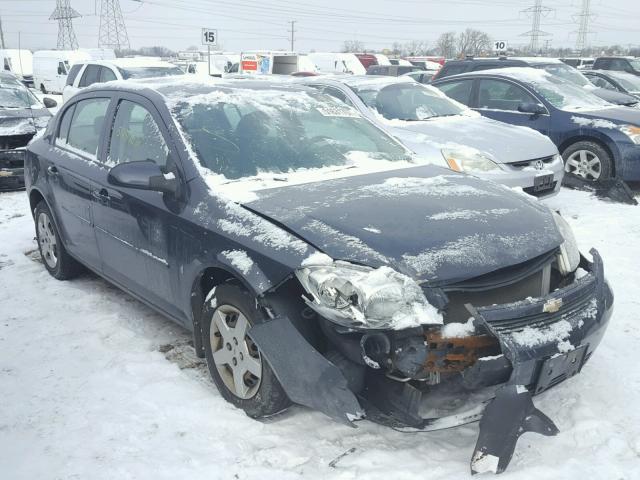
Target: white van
(337, 63)
(274, 62)
(50, 68)
(18, 62)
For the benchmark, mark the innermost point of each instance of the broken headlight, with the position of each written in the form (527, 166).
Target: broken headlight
(362, 297)
(569, 256)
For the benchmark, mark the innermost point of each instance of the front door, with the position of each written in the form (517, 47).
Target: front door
(71, 170)
(133, 226)
(500, 99)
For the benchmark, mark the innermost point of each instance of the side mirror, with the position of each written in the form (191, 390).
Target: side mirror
(60, 71)
(144, 175)
(533, 108)
(49, 102)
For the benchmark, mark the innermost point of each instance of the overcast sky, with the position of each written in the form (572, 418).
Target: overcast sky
(322, 25)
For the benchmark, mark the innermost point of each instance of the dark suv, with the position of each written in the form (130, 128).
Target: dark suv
(550, 65)
(621, 64)
(315, 259)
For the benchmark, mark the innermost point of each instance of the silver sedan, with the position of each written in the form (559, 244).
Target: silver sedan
(447, 132)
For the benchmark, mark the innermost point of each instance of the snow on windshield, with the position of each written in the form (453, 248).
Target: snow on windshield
(407, 101)
(241, 133)
(559, 92)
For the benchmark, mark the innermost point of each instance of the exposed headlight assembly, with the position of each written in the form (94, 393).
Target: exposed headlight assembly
(632, 132)
(569, 256)
(365, 298)
(468, 161)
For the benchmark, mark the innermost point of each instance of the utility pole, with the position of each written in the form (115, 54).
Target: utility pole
(113, 32)
(1, 35)
(64, 14)
(293, 31)
(583, 31)
(536, 12)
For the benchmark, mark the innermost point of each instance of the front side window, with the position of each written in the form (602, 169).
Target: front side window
(90, 76)
(566, 95)
(408, 101)
(501, 95)
(65, 122)
(602, 83)
(570, 74)
(87, 124)
(460, 91)
(136, 136)
(240, 133)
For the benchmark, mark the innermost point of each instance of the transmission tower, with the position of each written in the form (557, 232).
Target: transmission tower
(536, 12)
(64, 14)
(583, 19)
(113, 32)
(1, 34)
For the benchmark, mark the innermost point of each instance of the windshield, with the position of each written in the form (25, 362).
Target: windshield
(241, 133)
(566, 95)
(17, 98)
(407, 101)
(570, 74)
(149, 72)
(629, 81)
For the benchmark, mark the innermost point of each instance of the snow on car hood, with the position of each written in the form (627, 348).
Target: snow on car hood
(427, 222)
(505, 143)
(21, 121)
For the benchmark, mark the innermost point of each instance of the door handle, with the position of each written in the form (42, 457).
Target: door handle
(102, 196)
(53, 170)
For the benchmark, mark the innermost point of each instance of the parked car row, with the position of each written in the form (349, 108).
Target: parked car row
(318, 260)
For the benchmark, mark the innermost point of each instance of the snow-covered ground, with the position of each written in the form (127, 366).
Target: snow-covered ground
(94, 385)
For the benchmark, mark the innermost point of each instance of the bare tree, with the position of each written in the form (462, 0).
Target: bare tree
(446, 44)
(353, 46)
(473, 42)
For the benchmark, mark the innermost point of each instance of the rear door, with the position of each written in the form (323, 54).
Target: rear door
(72, 167)
(500, 99)
(134, 228)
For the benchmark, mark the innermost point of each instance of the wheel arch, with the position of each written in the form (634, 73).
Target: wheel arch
(599, 141)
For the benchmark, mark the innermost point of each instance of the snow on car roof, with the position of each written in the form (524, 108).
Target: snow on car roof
(134, 62)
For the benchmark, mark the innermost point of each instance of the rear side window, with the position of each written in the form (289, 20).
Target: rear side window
(602, 63)
(73, 73)
(459, 91)
(620, 64)
(136, 136)
(107, 75)
(90, 76)
(87, 124)
(453, 69)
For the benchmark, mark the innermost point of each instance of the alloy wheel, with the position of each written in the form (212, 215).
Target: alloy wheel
(235, 356)
(47, 240)
(584, 164)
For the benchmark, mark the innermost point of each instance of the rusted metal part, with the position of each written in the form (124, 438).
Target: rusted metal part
(451, 355)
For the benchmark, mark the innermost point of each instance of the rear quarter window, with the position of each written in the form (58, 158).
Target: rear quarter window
(73, 73)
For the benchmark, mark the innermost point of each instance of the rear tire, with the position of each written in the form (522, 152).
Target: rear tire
(588, 160)
(42, 89)
(242, 375)
(54, 256)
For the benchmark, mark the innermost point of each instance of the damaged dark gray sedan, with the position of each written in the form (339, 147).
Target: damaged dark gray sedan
(316, 260)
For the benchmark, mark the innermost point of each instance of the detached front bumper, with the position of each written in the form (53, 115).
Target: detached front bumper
(12, 169)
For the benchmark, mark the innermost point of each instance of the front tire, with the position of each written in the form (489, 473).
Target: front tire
(242, 375)
(588, 160)
(54, 256)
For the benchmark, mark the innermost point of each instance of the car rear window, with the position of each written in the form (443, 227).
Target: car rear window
(73, 73)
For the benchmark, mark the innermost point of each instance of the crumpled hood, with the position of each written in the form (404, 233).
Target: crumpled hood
(427, 222)
(506, 143)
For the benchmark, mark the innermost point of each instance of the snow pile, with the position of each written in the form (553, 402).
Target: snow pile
(593, 122)
(433, 187)
(458, 330)
(239, 259)
(98, 400)
(317, 258)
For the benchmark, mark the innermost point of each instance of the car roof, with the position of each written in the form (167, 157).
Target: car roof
(357, 81)
(131, 62)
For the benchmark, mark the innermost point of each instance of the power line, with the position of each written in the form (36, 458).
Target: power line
(112, 32)
(536, 12)
(64, 14)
